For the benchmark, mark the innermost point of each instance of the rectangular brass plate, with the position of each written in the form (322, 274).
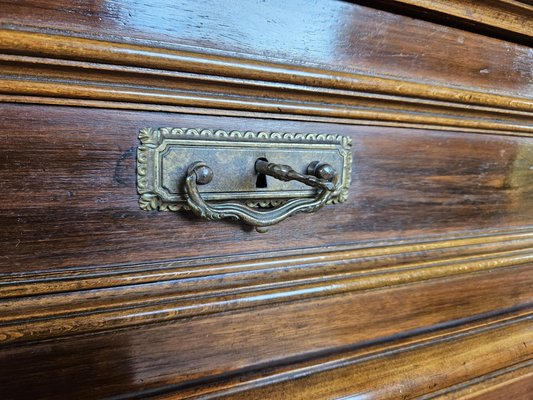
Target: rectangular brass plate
(166, 153)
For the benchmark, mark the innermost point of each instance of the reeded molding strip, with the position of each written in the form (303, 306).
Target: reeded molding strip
(415, 123)
(416, 116)
(211, 289)
(65, 47)
(315, 261)
(202, 80)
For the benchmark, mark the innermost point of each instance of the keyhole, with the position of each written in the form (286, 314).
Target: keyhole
(261, 181)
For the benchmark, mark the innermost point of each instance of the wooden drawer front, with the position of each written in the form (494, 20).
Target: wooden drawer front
(418, 286)
(315, 288)
(70, 195)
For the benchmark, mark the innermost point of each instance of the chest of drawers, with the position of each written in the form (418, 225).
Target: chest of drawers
(418, 286)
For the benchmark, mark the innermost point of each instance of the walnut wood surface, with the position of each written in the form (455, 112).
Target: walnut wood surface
(332, 34)
(283, 93)
(191, 354)
(407, 373)
(509, 18)
(515, 381)
(70, 196)
(118, 300)
(116, 75)
(101, 70)
(419, 286)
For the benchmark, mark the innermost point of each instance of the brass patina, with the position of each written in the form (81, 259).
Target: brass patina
(260, 178)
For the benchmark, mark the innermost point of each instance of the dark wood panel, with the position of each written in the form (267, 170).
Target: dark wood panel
(68, 177)
(411, 373)
(419, 285)
(179, 292)
(192, 353)
(510, 20)
(339, 35)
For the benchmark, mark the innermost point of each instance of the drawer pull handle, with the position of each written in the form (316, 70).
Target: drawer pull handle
(319, 175)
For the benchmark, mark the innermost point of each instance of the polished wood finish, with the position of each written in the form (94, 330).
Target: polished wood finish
(85, 211)
(310, 92)
(333, 34)
(190, 353)
(513, 382)
(133, 72)
(420, 286)
(411, 371)
(176, 292)
(512, 18)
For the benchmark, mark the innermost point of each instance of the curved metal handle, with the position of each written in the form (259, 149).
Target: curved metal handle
(319, 176)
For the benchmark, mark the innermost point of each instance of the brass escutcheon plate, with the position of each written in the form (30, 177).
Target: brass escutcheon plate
(165, 154)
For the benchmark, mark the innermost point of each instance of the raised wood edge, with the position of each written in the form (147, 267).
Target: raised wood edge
(428, 125)
(514, 17)
(497, 384)
(45, 305)
(420, 366)
(84, 70)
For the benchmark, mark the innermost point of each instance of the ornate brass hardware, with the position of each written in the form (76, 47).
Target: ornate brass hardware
(170, 177)
(200, 173)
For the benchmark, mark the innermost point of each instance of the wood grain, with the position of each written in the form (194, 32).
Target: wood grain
(281, 265)
(133, 55)
(47, 67)
(193, 353)
(515, 381)
(410, 372)
(419, 286)
(512, 19)
(207, 290)
(70, 197)
(31, 79)
(340, 36)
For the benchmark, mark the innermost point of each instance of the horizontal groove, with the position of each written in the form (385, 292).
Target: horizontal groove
(69, 72)
(508, 329)
(485, 383)
(200, 292)
(212, 289)
(254, 104)
(389, 253)
(121, 105)
(77, 73)
(314, 92)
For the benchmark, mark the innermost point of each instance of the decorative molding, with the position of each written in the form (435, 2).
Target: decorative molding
(68, 74)
(468, 127)
(154, 137)
(48, 305)
(509, 16)
(129, 55)
(422, 249)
